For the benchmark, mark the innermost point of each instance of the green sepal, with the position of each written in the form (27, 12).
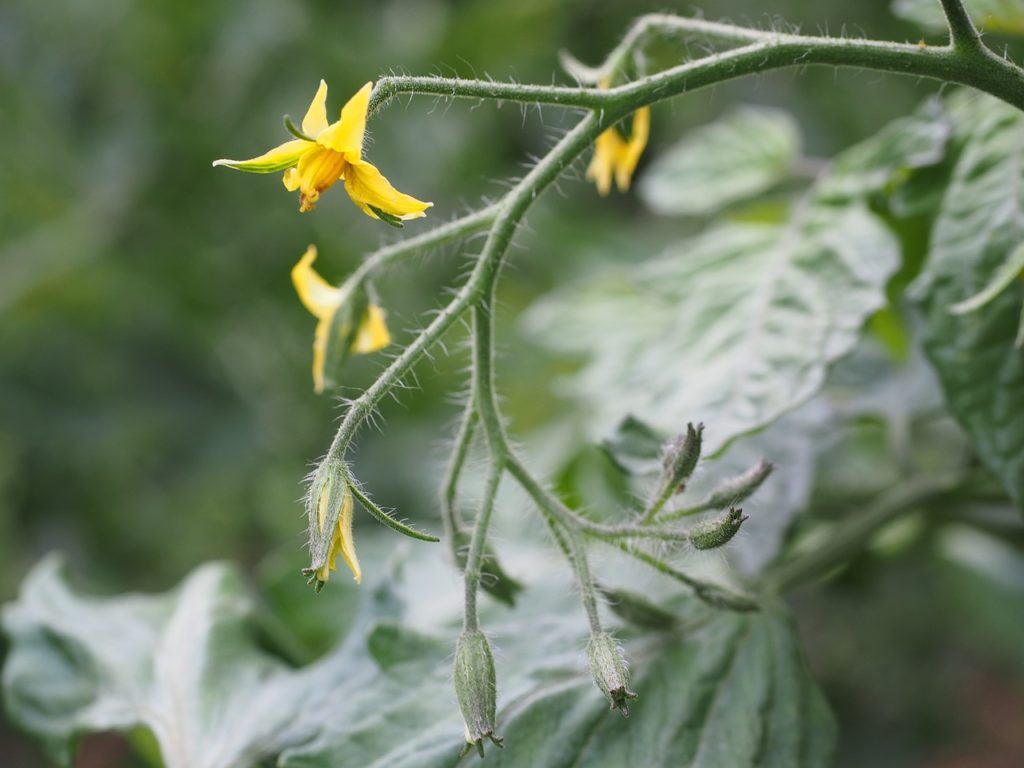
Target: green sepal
(387, 218)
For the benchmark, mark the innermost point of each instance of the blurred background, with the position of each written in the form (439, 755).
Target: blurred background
(156, 404)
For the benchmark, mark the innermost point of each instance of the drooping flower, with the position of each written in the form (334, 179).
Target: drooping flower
(341, 537)
(324, 300)
(617, 156)
(323, 154)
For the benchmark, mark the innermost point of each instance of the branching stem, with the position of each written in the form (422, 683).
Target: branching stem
(965, 61)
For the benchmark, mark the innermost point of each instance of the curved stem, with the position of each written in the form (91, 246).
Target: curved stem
(434, 238)
(450, 486)
(979, 69)
(474, 561)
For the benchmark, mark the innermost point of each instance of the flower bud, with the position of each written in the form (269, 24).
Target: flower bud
(681, 456)
(718, 531)
(609, 671)
(475, 689)
(736, 489)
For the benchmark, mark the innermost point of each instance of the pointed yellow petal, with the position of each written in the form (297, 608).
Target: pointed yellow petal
(369, 189)
(373, 332)
(315, 120)
(316, 294)
(607, 148)
(347, 544)
(632, 149)
(277, 159)
(323, 328)
(346, 135)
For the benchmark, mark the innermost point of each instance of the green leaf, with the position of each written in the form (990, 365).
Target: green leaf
(723, 689)
(733, 328)
(185, 665)
(744, 153)
(1005, 16)
(635, 447)
(978, 229)
(1001, 280)
(886, 160)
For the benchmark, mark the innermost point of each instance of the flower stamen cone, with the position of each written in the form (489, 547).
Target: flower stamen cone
(324, 301)
(323, 154)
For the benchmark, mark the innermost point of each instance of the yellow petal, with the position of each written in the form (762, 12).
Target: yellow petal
(607, 149)
(316, 294)
(369, 189)
(315, 120)
(373, 332)
(323, 329)
(346, 135)
(277, 159)
(344, 533)
(631, 150)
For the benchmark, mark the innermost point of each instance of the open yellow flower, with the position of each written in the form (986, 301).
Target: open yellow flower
(341, 538)
(324, 300)
(324, 154)
(616, 156)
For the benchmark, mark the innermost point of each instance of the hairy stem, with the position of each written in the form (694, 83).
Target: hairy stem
(474, 561)
(963, 35)
(450, 486)
(434, 238)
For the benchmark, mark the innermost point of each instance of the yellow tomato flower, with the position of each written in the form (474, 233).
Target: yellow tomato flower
(323, 300)
(616, 156)
(341, 539)
(330, 153)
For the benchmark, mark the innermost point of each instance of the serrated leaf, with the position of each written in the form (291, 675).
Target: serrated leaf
(184, 665)
(744, 153)
(725, 690)
(1005, 16)
(733, 328)
(979, 226)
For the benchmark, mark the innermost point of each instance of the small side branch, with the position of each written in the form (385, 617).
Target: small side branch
(963, 35)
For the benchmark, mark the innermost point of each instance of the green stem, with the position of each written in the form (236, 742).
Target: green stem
(433, 238)
(980, 69)
(851, 537)
(712, 594)
(474, 561)
(963, 35)
(454, 88)
(449, 488)
(585, 580)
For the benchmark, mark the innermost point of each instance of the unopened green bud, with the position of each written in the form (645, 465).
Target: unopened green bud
(609, 671)
(475, 689)
(736, 489)
(718, 531)
(682, 455)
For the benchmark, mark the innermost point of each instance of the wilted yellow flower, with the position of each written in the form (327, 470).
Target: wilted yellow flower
(616, 156)
(323, 300)
(341, 538)
(327, 154)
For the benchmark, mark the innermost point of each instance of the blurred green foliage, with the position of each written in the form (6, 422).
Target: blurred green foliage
(156, 407)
